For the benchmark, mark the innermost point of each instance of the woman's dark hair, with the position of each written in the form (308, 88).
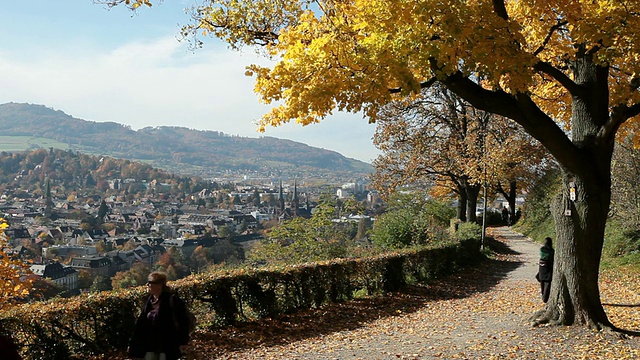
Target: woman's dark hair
(548, 242)
(159, 277)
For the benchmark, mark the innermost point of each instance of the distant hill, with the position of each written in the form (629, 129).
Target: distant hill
(176, 149)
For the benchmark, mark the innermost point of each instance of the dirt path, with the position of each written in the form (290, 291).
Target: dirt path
(525, 250)
(472, 317)
(479, 313)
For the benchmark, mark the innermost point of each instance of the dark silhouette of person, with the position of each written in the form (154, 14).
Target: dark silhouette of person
(545, 268)
(505, 216)
(161, 328)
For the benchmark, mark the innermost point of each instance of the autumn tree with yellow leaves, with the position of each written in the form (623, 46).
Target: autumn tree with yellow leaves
(15, 283)
(566, 71)
(514, 161)
(439, 141)
(432, 142)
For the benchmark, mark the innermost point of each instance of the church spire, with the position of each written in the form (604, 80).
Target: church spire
(281, 199)
(295, 190)
(295, 204)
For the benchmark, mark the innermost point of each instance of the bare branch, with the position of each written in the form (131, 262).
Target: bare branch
(423, 85)
(552, 30)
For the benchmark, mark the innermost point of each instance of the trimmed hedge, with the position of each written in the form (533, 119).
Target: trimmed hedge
(101, 323)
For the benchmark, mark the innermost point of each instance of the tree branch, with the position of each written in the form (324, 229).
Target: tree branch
(552, 30)
(633, 110)
(564, 80)
(523, 110)
(500, 9)
(257, 37)
(423, 85)
(619, 114)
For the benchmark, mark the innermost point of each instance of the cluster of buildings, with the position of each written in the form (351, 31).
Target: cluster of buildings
(48, 232)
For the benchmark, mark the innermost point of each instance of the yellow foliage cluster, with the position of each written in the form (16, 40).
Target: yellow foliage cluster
(14, 280)
(346, 55)
(131, 4)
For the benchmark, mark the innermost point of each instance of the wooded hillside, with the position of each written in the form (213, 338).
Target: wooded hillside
(176, 149)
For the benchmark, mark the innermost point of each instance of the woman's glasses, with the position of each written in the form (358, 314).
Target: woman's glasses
(153, 282)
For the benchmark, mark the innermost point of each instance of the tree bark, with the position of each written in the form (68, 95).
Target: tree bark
(510, 196)
(463, 200)
(581, 218)
(472, 201)
(575, 295)
(512, 201)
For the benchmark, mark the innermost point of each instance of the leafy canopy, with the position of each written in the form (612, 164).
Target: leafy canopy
(412, 219)
(347, 55)
(318, 238)
(354, 55)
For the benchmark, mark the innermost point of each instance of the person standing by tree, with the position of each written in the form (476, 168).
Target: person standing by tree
(545, 268)
(162, 327)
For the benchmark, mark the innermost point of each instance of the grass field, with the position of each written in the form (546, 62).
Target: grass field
(23, 143)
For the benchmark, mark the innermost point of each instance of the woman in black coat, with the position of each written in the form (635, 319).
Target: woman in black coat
(161, 327)
(545, 268)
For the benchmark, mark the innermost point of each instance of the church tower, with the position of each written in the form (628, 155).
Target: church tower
(295, 202)
(281, 200)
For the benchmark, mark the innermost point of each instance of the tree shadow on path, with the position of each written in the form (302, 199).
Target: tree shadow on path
(351, 315)
(499, 247)
(621, 305)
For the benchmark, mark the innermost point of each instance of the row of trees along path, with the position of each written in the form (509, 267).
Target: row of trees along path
(482, 312)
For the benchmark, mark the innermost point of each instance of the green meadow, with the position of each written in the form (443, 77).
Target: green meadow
(23, 143)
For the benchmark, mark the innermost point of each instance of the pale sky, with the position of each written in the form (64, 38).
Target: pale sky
(113, 65)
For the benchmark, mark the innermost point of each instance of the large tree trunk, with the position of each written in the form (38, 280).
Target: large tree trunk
(580, 223)
(463, 200)
(472, 201)
(575, 296)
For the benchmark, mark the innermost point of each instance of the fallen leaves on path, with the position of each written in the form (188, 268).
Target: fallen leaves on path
(620, 294)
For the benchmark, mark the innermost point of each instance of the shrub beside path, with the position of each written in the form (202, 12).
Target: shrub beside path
(481, 312)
